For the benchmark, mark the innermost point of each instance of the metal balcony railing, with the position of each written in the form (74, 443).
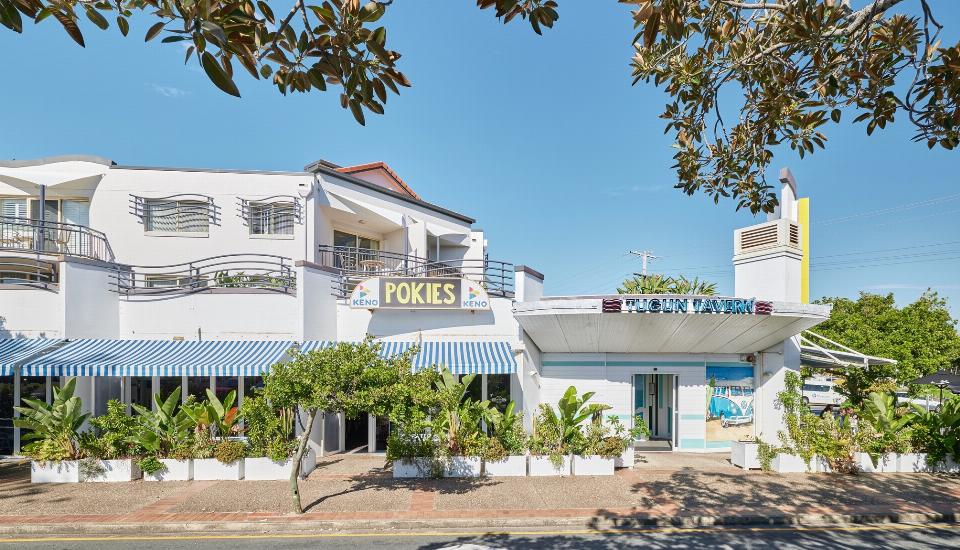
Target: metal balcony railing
(259, 271)
(357, 264)
(47, 237)
(33, 272)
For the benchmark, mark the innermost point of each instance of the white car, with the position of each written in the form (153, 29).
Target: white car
(925, 402)
(821, 392)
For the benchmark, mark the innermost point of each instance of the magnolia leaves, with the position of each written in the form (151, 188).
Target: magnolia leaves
(785, 71)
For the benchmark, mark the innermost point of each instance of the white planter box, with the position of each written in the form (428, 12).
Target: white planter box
(463, 466)
(512, 466)
(887, 463)
(412, 467)
(786, 464)
(947, 466)
(541, 466)
(744, 455)
(175, 470)
(913, 463)
(593, 465)
(211, 469)
(265, 469)
(627, 459)
(66, 471)
(109, 471)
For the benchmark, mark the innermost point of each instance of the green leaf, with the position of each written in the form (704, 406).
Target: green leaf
(69, 25)
(217, 75)
(357, 111)
(97, 19)
(10, 17)
(835, 115)
(153, 31)
(123, 25)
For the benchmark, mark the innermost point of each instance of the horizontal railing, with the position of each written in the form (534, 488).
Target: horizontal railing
(256, 271)
(356, 264)
(18, 270)
(47, 237)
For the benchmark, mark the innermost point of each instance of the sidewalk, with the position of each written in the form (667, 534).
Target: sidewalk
(356, 492)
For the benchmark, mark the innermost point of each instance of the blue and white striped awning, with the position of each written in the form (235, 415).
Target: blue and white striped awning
(460, 357)
(158, 358)
(13, 351)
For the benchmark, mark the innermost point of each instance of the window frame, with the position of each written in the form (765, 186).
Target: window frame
(197, 207)
(273, 219)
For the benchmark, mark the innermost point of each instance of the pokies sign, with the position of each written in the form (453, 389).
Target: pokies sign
(419, 293)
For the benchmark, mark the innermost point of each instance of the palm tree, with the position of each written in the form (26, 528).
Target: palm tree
(661, 284)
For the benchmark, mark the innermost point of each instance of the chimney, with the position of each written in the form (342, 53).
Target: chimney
(771, 259)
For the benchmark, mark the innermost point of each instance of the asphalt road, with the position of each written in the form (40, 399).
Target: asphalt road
(907, 537)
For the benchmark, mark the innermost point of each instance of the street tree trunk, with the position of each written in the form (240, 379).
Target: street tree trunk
(297, 458)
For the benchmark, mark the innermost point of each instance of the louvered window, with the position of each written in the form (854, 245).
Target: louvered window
(176, 216)
(760, 237)
(13, 208)
(275, 218)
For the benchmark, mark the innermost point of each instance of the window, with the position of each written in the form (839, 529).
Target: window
(13, 208)
(182, 216)
(274, 218)
(342, 238)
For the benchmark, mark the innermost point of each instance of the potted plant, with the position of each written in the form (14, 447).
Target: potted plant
(935, 438)
(53, 439)
(215, 455)
(507, 446)
(459, 421)
(412, 451)
(164, 435)
(557, 434)
(600, 448)
(746, 454)
(639, 432)
(110, 447)
(887, 433)
(271, 444)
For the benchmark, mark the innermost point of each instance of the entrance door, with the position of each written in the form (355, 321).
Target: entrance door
(653, 401)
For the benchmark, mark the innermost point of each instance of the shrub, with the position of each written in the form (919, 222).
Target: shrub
(113, 435)
(53, 428)
(151, 465)
(508, 432)
(269, 430)
(229, 451)
(201, 446)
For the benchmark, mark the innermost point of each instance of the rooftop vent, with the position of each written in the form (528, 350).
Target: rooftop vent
(767, 235)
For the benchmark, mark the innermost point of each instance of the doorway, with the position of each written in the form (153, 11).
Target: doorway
(653, 398)
(356, 433)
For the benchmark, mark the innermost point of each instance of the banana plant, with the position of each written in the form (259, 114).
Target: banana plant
(219, 416)
(460, 416)
(503, 422)
(572, 411)
(54, 428)
(880, 412)
(159, 431)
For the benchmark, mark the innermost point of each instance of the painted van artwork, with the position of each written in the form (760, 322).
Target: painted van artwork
(729, 403)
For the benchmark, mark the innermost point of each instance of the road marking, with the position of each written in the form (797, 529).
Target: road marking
(413, 534)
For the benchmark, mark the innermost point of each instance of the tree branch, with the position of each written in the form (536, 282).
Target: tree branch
(748, 6)
(279, 32)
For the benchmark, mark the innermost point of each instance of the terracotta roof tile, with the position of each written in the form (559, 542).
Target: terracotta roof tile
(382, 166)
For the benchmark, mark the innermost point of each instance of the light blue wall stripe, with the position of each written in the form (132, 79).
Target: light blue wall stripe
(718, 444)
(692, 444)
(692, 417)
(623, 363)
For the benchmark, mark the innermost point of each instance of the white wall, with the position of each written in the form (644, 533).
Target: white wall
(403, 324)
(90, 308)
(610, 375)
(219, 315)
(30, 313)
(316, 315)
(771, 275)
(110, 212)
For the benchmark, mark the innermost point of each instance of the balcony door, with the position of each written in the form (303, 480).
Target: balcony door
(356, 252)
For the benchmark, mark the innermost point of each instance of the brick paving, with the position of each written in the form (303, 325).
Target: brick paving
(360, 489)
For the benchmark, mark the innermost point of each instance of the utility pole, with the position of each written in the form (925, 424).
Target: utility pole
(645, 256)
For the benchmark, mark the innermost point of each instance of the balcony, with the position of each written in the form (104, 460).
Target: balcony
(47, 237)
(357, 264)
(232, 271)
(28, 272)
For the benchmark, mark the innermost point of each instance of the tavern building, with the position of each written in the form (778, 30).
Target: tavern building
(138, 280)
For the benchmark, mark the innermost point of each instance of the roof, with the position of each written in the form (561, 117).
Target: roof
(382, 166)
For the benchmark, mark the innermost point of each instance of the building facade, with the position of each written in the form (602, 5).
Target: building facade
(137, 280)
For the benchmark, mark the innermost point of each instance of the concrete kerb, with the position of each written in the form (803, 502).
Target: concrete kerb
(304, 524)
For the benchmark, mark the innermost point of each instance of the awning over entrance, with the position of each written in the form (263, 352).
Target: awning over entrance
(633, 324)
(820, 352)
(13, 351)
(158, 358)
(460, 357)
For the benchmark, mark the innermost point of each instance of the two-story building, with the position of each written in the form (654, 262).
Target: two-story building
(141, 279)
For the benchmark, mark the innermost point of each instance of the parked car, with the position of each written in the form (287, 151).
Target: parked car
(821, 392)
(733, 405)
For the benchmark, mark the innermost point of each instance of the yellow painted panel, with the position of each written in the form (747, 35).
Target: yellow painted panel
(803, 218)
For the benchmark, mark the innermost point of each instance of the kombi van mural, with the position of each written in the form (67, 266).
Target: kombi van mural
(729, 408)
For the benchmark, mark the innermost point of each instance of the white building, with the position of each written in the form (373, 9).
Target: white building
(139, 279)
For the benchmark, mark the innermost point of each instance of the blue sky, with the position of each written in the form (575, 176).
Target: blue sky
(542, 139)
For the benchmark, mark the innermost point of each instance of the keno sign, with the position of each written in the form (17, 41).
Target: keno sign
(419, 293)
